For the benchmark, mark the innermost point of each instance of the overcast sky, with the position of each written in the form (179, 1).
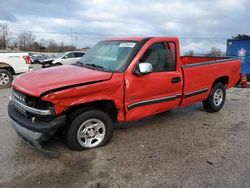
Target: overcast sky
(199, 24)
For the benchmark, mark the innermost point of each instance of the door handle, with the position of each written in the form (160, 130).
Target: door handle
(176, 80)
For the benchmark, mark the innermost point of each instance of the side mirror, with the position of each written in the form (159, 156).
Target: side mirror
(65, 57)
(143, 68)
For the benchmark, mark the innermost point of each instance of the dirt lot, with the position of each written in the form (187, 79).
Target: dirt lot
(180, 148)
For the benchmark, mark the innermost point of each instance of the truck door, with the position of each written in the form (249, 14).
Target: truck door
(158, 91)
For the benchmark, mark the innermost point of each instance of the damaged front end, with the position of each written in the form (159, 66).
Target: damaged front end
(34, 120)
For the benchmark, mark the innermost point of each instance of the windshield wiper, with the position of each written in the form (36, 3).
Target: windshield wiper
(95, 66)
(85, 65)
(92, 66)
(98, 67)
(78, 63)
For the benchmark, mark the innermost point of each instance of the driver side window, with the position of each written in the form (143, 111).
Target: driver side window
(161, 56)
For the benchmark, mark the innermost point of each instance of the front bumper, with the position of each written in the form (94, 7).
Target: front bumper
(34, 132)
(26, 133)
(36, 125)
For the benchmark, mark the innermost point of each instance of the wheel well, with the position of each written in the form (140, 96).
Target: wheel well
(7, 67)
(105, 105)
(224, 80)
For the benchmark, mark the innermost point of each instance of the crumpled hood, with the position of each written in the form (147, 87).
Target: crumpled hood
(37, 82)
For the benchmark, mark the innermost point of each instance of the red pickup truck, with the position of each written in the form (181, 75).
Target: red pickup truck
(118, 80)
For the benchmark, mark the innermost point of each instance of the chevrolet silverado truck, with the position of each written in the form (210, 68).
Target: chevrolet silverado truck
(118, 80)
(11, 64)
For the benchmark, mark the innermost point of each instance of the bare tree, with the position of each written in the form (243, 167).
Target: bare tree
(52, 47)
(35, 47)
(25, 40)
(215, 52)
(4, 35)
(55, 47)
(189, 53)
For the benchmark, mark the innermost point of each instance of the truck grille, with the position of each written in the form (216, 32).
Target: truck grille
(22, 99)
(19, 96)
(30, 106)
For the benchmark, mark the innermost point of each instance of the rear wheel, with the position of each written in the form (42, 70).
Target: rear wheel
(216, 98)
(6, 78)
(90, 129)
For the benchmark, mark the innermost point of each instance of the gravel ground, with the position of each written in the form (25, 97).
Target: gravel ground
(180, 148)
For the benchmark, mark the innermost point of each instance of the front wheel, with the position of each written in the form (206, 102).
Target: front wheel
(6, 78)
(90, 129)
(216, 98)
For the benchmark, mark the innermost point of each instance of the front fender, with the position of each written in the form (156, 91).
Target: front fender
(111, 90)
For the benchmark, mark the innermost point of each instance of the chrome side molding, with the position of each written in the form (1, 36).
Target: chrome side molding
(153, 101)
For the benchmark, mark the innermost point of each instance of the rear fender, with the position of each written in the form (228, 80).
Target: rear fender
(7, 67)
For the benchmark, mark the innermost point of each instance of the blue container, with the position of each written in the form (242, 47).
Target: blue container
(240, 48)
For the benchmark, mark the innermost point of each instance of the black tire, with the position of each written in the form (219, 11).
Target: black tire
(36, 62)
(75, 125)
(5, 74)
(57, 64)
(45, 65)
(214, 105)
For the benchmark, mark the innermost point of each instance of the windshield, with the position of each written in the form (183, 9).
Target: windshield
(110, 55)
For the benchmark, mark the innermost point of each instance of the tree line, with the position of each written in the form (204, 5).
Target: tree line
(216, 52)
(213, 52)
(26, 41)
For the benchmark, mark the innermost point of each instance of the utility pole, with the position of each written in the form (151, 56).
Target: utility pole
(76, 40)
(71, 36)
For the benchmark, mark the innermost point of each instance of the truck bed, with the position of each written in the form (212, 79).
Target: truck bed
(199, 74)
(199, 59)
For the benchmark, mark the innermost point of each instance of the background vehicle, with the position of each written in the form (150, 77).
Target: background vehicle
(11, 64)
(68, 58)
(240, 48)
(37, 59)
(47, 62)
(118, 80)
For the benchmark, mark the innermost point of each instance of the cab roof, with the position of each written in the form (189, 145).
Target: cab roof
(137, 39)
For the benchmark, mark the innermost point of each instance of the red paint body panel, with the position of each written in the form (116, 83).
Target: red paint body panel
(112, 90)
(201, 77)
(151, 86)
(126, 90)
(37, 82)
(197, 59)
